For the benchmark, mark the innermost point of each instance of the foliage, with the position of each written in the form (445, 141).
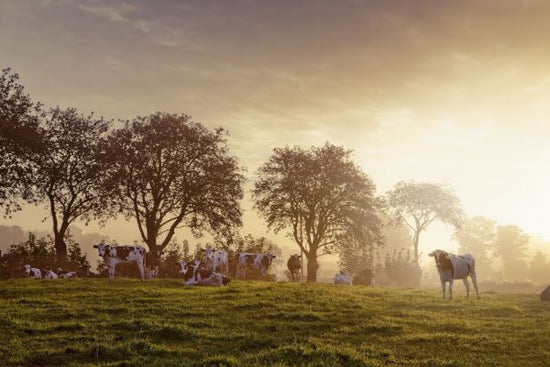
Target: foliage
(419, 204)
(69, 172)
(477, 236)
(170, 172)
(511, 247)
(162, 323)
(398, 269)
(321, 197)
(19, 138)
(539, 269)
(40, 253)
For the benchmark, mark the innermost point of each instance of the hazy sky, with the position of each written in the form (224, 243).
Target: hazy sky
(440, 91)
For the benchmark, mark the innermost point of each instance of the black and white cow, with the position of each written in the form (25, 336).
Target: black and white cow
(254, 261)
(294, 265)
(197, 273)
(451, 267)
(33, 273)
(113, 255)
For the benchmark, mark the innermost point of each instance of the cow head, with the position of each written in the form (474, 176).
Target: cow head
(441, 259)
(269, 258)
(209, 256)
(105, 250)
(27, 269)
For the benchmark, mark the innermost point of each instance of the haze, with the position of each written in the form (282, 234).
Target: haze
(453, 91)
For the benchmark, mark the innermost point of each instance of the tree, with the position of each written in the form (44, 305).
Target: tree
(323, 199)
(19, 137)
(477, 236)
(69, 171)
(419, 204)
(169, 172)
(539, 268)
(511, 247)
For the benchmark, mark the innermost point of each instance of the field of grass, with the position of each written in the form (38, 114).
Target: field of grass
(85, 322)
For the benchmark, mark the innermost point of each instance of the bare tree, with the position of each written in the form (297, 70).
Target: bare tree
(321, 197)
(419, 204)
(169, 172)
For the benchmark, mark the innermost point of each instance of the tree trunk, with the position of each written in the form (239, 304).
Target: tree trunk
(312, 267)
(416, 237)
(60, 249)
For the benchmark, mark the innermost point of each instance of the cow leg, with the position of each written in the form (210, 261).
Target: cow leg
(451, 288)
(111, 272)
(443, 285)
(474, 281)
(467, 285)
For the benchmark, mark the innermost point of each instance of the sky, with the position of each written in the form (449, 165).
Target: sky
(436, 91)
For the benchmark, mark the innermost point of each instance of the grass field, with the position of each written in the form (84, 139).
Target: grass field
(160, 323)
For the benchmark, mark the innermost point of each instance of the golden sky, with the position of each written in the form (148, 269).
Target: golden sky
(440, 91)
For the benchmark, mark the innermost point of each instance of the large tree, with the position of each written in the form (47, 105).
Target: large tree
(19, 138)
(419, 204)
(170, 172)
(319, 195)
(69, 172)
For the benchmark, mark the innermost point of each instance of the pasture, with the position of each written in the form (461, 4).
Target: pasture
(90, 322)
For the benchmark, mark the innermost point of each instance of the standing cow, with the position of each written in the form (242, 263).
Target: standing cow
(217, 260)
(113, 255)
(451, 267)
(294, 265)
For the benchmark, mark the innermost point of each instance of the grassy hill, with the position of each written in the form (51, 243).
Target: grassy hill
(85, 322)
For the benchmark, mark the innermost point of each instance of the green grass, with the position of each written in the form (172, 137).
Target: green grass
(160, 323)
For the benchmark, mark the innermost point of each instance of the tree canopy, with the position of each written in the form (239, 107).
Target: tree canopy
(319, 195)
(419, 204)
(19, 137)
(69, 172)
(169, 172)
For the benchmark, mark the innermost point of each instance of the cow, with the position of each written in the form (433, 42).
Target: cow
(33, 273)
(196, 273)
(263, 262)
(294, 265)
(50, 274)
(451, 267)
(70, 274)
(217, 260)
(343, 277)
(254, 261)
(152, 262)
(113, 255)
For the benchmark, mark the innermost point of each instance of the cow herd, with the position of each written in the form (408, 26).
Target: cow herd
(36, 273)
(213, 268)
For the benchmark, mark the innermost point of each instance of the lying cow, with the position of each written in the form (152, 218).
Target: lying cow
(50, 274)
(196, 273)
(451, 267)
(33, 273)
(294, 265)
(113, 255)
(343, 277)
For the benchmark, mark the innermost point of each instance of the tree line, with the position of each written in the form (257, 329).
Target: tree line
(165, 172)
